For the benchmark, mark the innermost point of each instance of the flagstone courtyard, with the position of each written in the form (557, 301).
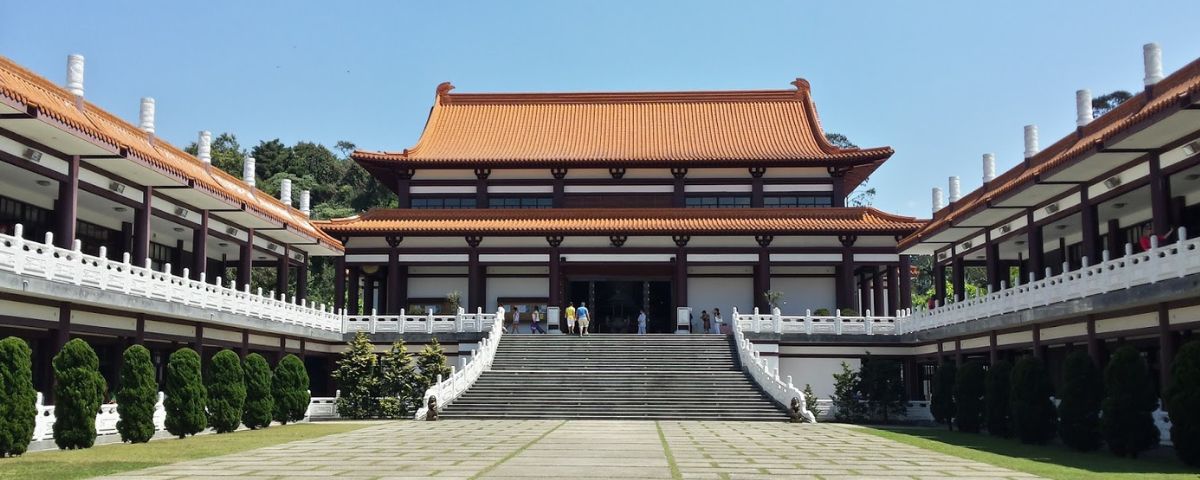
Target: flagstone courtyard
(588, 449)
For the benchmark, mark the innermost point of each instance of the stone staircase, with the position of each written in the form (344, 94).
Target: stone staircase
(654, 377)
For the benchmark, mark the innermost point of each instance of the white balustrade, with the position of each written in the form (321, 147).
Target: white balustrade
(449, 389)
(427, 323)
(781, 390)
(810, 324)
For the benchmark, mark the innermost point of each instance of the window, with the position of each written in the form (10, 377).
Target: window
(160, 255)
(797, 201)
(36, 220)
(521, 202)
(443, 202)
(93, 236)
(718, 202)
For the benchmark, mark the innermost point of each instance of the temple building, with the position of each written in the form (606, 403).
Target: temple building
(625, 201)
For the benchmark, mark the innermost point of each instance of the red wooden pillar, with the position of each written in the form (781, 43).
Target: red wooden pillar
(879, 294)
(1089, 218)
(200, 247)
(282, 269)
(905, 272)
(246, 260)
(893, 291)
(339, 283)
(352, 302)
(141, 229)
(762, 280)
(302, 279)
(1166, 348)
(1160, 197)
(1037, 254)
(67, 205)
(958, 278)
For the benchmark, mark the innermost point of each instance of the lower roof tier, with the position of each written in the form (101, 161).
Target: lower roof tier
(628, 221)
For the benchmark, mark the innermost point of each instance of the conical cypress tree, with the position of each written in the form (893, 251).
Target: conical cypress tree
(226, 391)
(999, 420)
(260, 404)
(186, 396)
(432, 363)
(18, 409)
(137, 397)
(396, 376)
(1079, 403)
(942, 403)
(968, 397)
(289, 388)
(1129, 402)
(78, 391)
(1183, 403)
(356, 378)
(1032, 411)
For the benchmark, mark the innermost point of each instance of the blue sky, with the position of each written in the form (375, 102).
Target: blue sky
(941, 82)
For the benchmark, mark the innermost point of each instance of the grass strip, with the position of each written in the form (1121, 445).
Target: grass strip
(1050, 461)
(662, 438)
(117, 458)
(516, 452)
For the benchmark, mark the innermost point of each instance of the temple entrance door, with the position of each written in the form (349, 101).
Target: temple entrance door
(614, 304)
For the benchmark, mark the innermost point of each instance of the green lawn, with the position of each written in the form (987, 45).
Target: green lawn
(116, 458)
(1050, 461)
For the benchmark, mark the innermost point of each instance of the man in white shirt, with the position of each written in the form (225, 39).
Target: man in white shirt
(642, 322)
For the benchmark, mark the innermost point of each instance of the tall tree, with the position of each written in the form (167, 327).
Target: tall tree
(226, 391)
(968, 397)
(18, 408)
(1183, 403)
(847, 406)
(356, 378)
(138, 396)
(1129, 402)
(1032, 411)
(260, 405)
(78, 391)
(186, 396)
(289, 388)
(1105, 103)
(941, 406)
(999, 419)
(397, 375)
(882, 387)
(1079, 402)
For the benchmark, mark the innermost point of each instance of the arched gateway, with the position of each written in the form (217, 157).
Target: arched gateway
(624, 201)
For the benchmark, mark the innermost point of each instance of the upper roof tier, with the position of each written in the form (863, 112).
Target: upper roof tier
(638, 129)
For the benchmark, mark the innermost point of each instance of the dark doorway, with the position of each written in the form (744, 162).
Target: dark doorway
(615, 304)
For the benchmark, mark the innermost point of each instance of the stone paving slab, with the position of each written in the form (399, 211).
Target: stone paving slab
(469, 449)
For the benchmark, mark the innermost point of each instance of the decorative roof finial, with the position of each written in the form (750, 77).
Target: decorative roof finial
(444, 88)
(801, 85)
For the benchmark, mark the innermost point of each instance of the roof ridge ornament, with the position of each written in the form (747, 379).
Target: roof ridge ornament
(444, 89)
(802, 85)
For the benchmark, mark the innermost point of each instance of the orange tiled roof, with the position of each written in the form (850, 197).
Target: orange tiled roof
(631, 221)
(54, 102)
(735, 128)
(1181, 87)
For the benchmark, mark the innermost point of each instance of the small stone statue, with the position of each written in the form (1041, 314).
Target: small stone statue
(794, 410)
(431, 413)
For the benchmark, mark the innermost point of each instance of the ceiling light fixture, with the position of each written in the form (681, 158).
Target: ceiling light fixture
(44, 183)
(119, 209)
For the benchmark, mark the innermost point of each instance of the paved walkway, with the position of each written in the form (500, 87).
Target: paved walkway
(588, 449)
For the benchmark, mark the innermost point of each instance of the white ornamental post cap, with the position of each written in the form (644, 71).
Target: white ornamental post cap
(1083, 107)
(285, 191)
(937, 199)
(954, 189)
(248, 171)
(146, 118)
(204, 146)
(989, 167)
(1152, 59)
(75, 74)
(306, 202)
(1031, 141)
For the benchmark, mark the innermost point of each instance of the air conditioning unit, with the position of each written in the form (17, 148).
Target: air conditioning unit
(32, 155)
(966, 246)
(1052, 208)
(1191, 148)
(116, 187)
(181, 212)
(1006, 228)
(272, 247)
(231, 231)
(1112, 182)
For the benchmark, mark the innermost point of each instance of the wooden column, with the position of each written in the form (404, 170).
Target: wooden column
(198, 342)
(762, 280)
(555, 266)
(1037, 341)
(246, 260)
(756, 186)
(67, 205)
(339, 283)
(475, 298)
(560, 188)
(993, 352)
(679, 195)
(893, 291)
(958, 355)
(404, 188)
(995, 270)
(879, 293)
(302, 279)
(939, 282)
(1089, 218)
(352, 301)
(905, 273)
(481, 187)
(281, 272)
(244, 348)
(1160, 197)
(368, 295)
(141, 228)
(839, 189)
(393, 282)
(1037, 254)
(1115, 246)
(846, 284)
(1166, 348)
(681, 290)
(200, 247)
(1093, 345)
(958, 278)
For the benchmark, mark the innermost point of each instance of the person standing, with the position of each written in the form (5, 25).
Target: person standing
(718, 322)
(516, 319)
(705, 322)
(534, 318)
(571, 318)
(581, 315)
(642, 322)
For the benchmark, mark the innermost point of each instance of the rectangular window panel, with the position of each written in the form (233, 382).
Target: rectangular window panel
(797, 201)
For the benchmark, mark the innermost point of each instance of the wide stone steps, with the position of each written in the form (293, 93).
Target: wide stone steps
(659, 377)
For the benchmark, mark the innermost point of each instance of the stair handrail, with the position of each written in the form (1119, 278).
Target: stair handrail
(782, 392)
(446, 391)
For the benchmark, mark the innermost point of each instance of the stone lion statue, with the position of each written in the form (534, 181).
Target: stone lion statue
(431, 413)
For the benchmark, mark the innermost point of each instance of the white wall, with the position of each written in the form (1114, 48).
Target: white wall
(800, 293)
(817, 372)
(435, 287)
(724, 293)
(515, 287)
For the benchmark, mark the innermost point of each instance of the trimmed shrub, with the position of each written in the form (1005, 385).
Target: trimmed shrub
(882, 386)
(848, 312)
(810, 401)
(78, 391)
(260, 405)
(1032, 411)
(186, 395)
(1129, 402)
(396, 381)
(289, 388)
(846, 404)
(999, 418)
(18, 405)
(1079, 403)
(137, 397)
(355, 377)
(432, 363)
(226, 391)
(1183, 403)
(821, 312)
(941, 406)
(968, 397)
